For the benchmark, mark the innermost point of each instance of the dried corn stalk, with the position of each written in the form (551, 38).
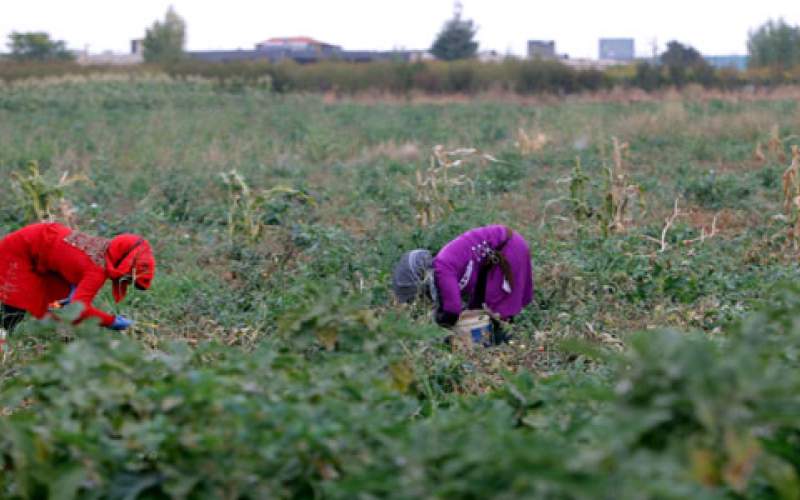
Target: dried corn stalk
(529, 144)
(577, 199)
(246, 208)
(67, 213)
(619, 195)
(791, 197)
(616, 214)
(43, 194)
(436, 186)
(577, 193)
(670, 221)
(791, 183)
(775, 147)
(758, 154)
(775, 144)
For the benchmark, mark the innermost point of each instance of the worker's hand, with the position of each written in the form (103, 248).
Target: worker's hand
(120, 323)
(444, 318)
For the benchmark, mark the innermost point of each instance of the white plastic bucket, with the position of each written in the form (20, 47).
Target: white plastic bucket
(475, 326)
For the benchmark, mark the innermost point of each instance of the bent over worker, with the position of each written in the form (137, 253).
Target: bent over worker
(490, 266)
(45, 263)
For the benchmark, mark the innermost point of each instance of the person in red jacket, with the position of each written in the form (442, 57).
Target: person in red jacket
(46, 263)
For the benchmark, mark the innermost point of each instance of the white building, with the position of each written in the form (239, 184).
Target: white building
(109, 58)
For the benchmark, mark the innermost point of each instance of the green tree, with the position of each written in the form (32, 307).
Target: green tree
(684, 63)
(774, 44)
(457, 39)
(37, 46)
(648, 76)
(680, 55)
(164, 41)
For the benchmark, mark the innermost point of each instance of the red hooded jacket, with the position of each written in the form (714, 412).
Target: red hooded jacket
(40, 262)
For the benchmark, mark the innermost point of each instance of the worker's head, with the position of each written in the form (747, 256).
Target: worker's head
(129, 260)
(413, 275)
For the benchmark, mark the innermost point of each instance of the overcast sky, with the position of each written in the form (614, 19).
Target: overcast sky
(715, 27)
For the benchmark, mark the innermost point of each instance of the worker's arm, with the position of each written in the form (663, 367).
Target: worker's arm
(449, 307)
(86, 291)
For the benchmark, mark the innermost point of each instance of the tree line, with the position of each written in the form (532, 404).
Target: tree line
(774, 45)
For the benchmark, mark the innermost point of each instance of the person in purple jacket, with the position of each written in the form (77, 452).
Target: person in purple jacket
(490, 266)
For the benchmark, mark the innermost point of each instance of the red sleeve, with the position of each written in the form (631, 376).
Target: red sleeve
(87, 289)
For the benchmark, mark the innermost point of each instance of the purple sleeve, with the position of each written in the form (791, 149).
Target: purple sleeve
(447, 286)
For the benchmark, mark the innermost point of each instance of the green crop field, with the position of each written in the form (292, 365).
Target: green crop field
(658, 360)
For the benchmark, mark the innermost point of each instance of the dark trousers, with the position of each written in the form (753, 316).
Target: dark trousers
(10, 317)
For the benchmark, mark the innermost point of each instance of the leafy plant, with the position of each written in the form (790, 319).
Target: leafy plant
(619, 195)
(42, 194)
(577, 193)
(718, 191)
(438, 186)
(247, 209)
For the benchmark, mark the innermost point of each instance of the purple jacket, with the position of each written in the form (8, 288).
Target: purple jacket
(456, 268)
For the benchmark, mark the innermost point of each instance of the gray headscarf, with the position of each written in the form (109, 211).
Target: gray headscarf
(412, 274)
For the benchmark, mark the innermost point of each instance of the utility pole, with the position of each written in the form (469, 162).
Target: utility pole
(654, 46)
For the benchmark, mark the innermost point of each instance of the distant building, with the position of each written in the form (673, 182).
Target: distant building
(109, 58)
(218, 56)
(490, 56)
(617, 49)
(299, 44)
(304, 50)
(732, 62)
(591, 64)
(137, 46)
(542, 49)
